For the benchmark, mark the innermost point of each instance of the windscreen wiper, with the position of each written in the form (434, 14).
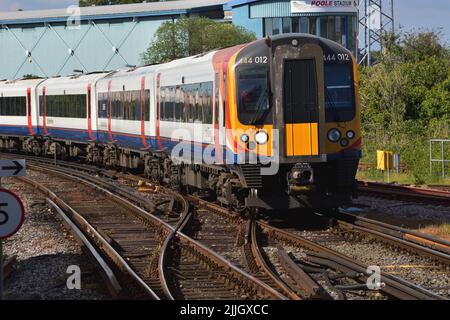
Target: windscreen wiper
(260, 111)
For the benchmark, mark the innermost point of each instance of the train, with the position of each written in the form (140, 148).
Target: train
(270, 124)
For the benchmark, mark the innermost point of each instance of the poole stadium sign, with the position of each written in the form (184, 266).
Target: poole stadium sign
(323, 6)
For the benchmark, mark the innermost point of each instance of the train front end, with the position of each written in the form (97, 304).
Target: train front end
(294, 114)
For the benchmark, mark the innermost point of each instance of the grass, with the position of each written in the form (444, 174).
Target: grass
(441, 231)
(402, 178)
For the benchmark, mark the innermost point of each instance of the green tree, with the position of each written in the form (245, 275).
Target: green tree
(190, 36)
(405, 98)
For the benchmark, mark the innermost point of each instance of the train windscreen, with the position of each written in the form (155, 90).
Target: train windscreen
(339, 92)
(253, 96)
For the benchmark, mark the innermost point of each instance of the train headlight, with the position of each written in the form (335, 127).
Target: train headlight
(344, 142)
(261, 137)
(334, 135)
(245, 138)
(350, 134)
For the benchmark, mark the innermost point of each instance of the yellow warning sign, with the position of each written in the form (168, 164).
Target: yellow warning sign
(385, 160)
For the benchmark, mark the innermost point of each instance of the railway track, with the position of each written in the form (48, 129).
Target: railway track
(317, 258)
(285, 269)
(199, 264)
(234, 238)
(412, 241)
(415, 194)
(149, 252)
(225, 234)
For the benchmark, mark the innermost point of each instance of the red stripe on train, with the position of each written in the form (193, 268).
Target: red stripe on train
(30, 123)
(158, 131)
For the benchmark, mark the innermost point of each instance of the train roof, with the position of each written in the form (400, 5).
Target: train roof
(18, 85)
(132, 72)
(326, 44)
(120, 10)
(73, 81)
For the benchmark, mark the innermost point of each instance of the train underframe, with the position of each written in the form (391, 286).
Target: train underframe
(303, 185)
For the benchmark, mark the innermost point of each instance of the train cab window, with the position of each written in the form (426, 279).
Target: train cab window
(253, 96)
(339, 92)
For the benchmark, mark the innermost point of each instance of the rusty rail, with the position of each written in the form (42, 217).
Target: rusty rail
(416, 194)
(77, 219)
(394, 286)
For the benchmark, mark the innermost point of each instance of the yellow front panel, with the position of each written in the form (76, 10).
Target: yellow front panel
(302, 139)
(289, 140)
(314, 139)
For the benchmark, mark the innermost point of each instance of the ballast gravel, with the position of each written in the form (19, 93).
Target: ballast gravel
(45, 251)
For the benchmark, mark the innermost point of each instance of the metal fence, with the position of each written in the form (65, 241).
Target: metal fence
(442, 160)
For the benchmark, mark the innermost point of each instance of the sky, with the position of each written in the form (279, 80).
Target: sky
(410, 14)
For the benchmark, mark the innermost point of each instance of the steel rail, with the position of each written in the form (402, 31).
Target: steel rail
(112, 283)
(423, 194)
(261, 261)
(247, 279)
(402, 233)
(422, 244)
(309, 288)
(395, 286)
(181, 227)
(102, 243)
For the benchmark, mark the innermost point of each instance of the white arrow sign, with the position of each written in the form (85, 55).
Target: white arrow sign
(12, 168)
(11, 214)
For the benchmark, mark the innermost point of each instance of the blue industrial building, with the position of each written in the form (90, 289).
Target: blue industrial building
(335, 20)
(57, 42)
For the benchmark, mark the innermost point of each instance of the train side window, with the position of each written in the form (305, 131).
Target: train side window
(178, 104)
(101, 105)
(147, 105)
(170, 107)
(13, 106)
(198, 111)
(135, 102)
(185, 100)
(8, 106)
(163, 103)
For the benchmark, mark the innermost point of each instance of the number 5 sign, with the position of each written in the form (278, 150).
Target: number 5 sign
(12, 214)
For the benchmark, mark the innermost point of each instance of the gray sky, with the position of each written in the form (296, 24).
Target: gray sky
(411, 14)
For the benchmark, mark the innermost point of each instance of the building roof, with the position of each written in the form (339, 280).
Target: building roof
(234, 3)
(112, 11)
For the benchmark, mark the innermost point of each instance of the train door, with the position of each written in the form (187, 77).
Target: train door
(299, 99)
(216, 116)
(301, 108)
(219, 115)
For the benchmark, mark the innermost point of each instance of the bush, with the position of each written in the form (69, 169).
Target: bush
(405, 101)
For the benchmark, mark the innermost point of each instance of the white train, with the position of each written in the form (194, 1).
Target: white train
(275, 99)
